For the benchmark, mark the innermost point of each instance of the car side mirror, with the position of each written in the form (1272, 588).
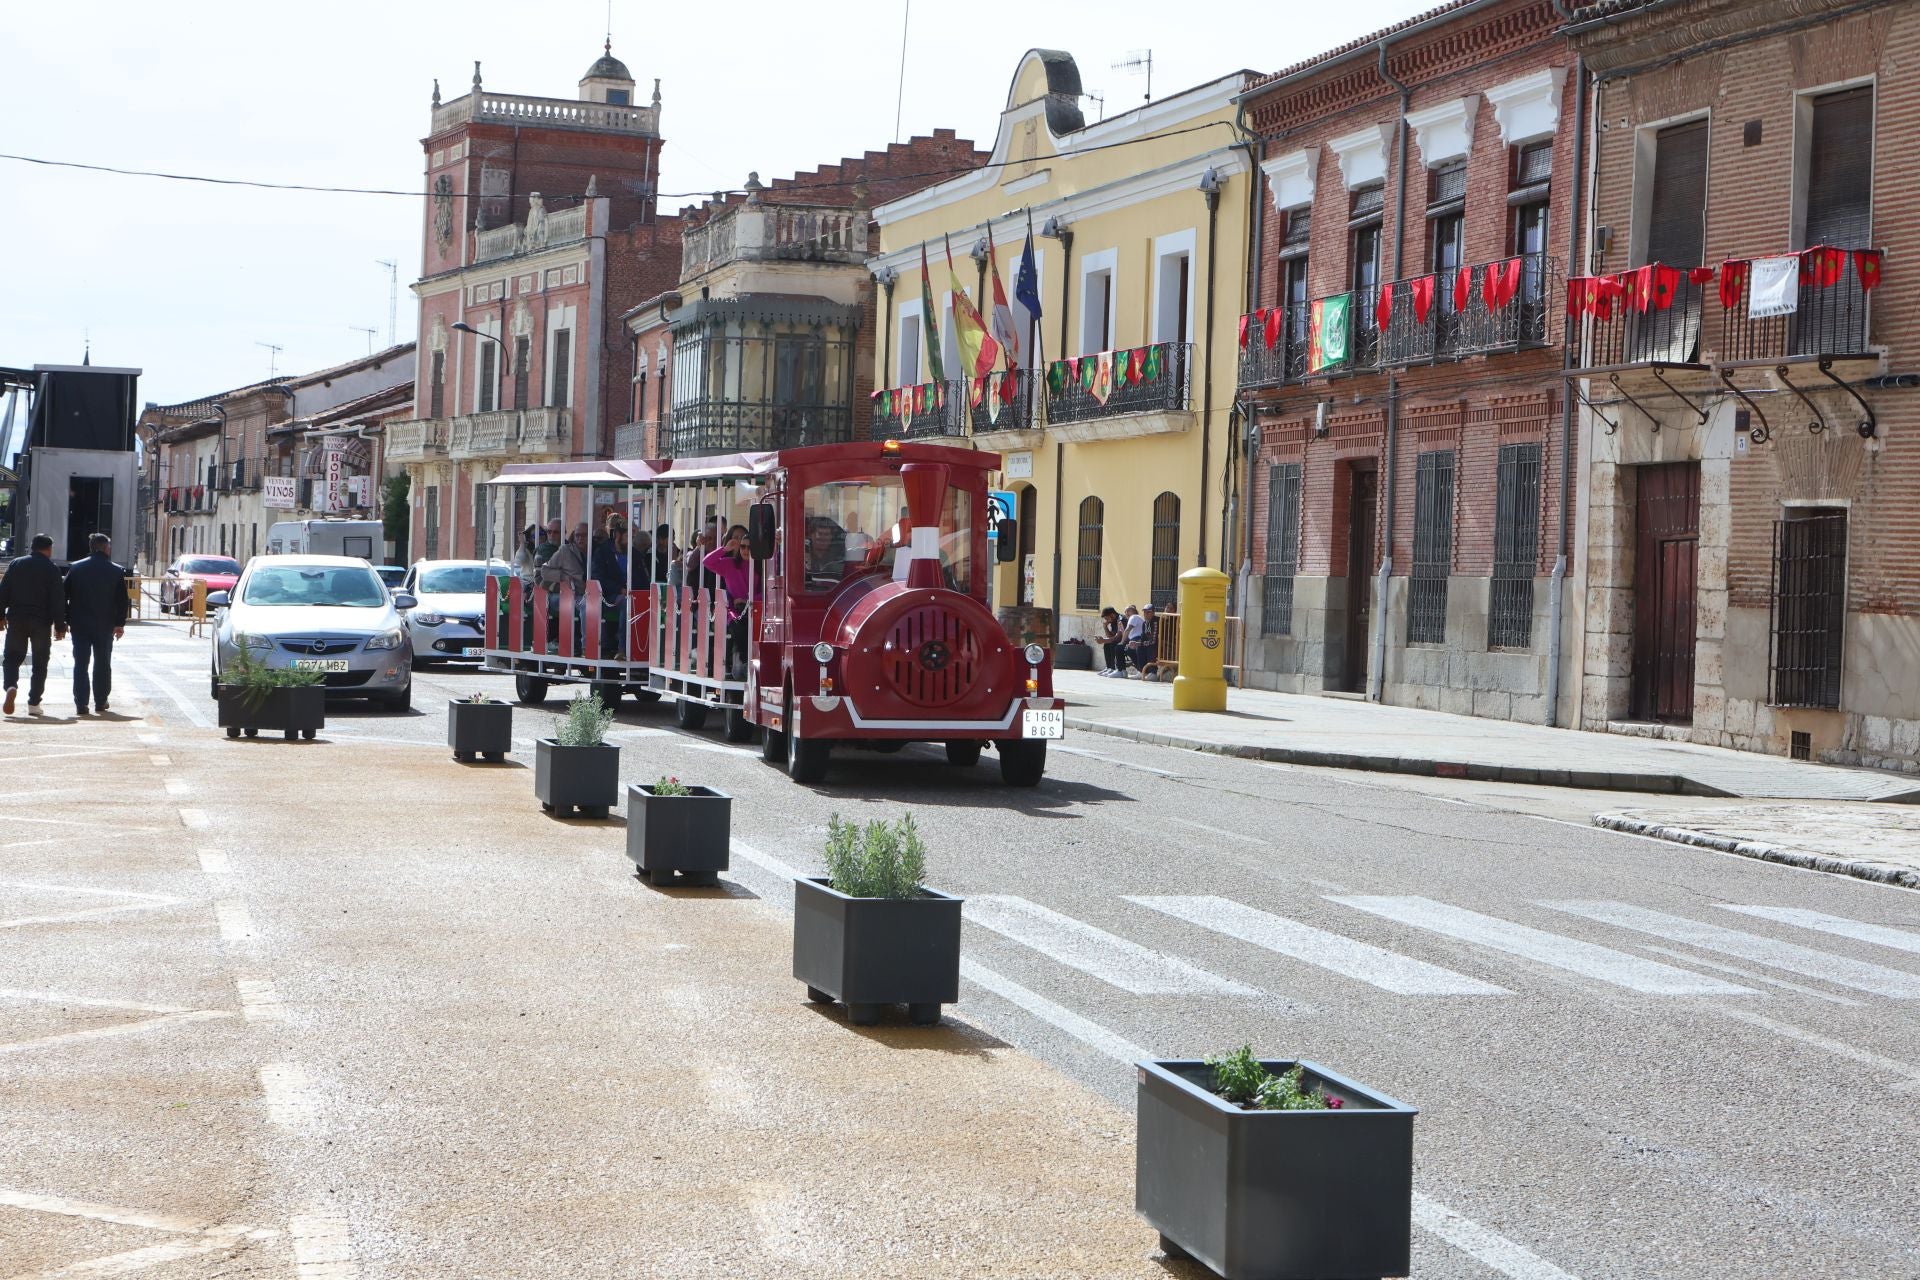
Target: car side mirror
(219, 599)
(1006, 541)
(762, 521)
(402, 601)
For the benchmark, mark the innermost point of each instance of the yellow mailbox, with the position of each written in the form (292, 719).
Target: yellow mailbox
(1202, 683)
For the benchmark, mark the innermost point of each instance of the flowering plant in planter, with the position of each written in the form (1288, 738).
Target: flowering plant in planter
(670, 786)
(479, 725)
(1244, 1080)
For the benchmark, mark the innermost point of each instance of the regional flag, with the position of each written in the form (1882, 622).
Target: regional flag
(1102, 376)
(1327, 332)
(977, 351)
(929, 320)
(1005, 331)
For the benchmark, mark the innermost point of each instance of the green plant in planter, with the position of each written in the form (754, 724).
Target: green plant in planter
(885, 860)
(587, 722)
(255, 679)
(1241, 1079)
(478, 699)
(671, 787)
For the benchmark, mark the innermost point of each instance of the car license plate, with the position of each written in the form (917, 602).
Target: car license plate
(1043, 724)
(332, 664)
(469, 649)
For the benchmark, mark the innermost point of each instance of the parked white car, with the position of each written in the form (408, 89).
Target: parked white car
(445, 622)
(329, 614)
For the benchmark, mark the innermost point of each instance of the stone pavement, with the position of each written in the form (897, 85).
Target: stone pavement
(1347, 733)
(1868, 841)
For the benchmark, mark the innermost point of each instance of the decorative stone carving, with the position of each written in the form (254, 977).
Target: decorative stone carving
(534, 236)
(1290, 177)
(1528, 108)
(1362, 155)
(1445, 132)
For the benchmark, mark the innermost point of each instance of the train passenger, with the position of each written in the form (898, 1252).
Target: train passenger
(728, 563)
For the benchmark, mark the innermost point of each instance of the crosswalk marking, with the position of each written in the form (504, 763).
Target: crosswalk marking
(1114, 960)
(1342, 955)
(1748, 946)
(1878, 934)
(1585, 958)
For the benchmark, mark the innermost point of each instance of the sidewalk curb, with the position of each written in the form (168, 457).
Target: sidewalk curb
(1880, 873)
(1658, 783)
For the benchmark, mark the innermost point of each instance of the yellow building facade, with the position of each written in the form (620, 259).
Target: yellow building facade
(1117, 432)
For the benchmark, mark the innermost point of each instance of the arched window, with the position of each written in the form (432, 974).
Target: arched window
(1166, 550)
(1092, 521)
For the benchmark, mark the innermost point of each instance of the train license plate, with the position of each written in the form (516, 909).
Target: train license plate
(1043, 724)
(319, 664)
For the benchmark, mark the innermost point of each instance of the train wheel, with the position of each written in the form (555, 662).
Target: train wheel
(609, 694)
(646, 697)
(806, 760)
(529, 690)
(773, 745)
(964, 754)
(739, 728)
(888, 746)
(689, 714)
(1023, 762)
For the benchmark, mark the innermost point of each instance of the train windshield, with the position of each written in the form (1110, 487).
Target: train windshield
(861, 525)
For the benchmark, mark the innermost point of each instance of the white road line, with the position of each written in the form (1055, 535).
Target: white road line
(215, 863)
(88, 1002)
(1218, 831)
(1114, 760)
(216, 1240)
(1584, 958)
(235, 924)
(322, 1247)
(1858, 974)
(1081, 1029)
(146, 902)
(1838, 1048)
(100, 1212)
(721, 748)
(194, 819)
(161, 760)
(1363, 961)
(1112, 959)
(119, 1029)
(1734, 969)
(288, 1094)
(1488, 1248)
(259, 1000)
(177, 787)
(766, 861)
(195, 716)
(1879, 934)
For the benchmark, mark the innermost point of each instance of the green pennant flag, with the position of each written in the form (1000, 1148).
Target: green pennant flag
(1327, 328)
(1151, 368)
(1087, 371)
(1057, 376)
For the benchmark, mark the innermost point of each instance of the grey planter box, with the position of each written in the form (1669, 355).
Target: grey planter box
(1275, 1195)
(576, 778)
(289, 711)
(687, 834)
(866, 952)
(480, 729)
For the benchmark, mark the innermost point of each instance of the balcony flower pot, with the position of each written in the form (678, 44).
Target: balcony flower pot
(866, 952)
(687, 835)
(480, 729)
(290, 710)
(569, 779)
(1275, 1195)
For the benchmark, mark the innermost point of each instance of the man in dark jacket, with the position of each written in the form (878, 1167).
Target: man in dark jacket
(33, 609)
(97, 616)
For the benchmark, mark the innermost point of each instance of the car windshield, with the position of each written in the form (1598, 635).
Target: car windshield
(857, 525)
(350, 586)
(454, 579)
(211, 564)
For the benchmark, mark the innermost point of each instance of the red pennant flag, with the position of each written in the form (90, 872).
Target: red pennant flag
(1866, 264)
(1422, 290)
(1007, 387)
(1383, 306)
(1603, 291)
(1643, 288)
(1733, 279)
(1576, 296)
(1073, 368)
(1509, 281)
(1272, 335)
(1831, 262)
(1462, 287)
(1490, 286)
(1243, 331)
(1699, 275)
(1806, 267)
(1666, 282)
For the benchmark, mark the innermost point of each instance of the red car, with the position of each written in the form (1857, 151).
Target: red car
(176, 585)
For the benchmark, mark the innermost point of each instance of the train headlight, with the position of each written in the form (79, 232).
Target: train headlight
(1034, 654)
(823, 652)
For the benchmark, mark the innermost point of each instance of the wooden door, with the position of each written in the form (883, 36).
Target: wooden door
(1666, 551)
(1362, 511)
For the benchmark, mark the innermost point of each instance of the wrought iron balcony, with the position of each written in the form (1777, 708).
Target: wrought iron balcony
(930, 409)
(1649, 316)
(1151, 379)
(1005, 403)
(704, 427)
(1262, 365)
(1506, 309)
(1829, 316)
(630, 439)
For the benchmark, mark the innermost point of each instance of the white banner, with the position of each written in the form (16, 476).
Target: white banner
(1774, 288)
(277, 493)
(360, 491)
(333, 495)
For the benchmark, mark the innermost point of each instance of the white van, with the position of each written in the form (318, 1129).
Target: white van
(363, 538)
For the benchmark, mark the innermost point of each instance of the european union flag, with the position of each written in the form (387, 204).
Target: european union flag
(1026, 281)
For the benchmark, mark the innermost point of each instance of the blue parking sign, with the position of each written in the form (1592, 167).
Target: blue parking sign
(1001, 504)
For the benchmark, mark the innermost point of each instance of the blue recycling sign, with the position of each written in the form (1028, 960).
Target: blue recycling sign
(1001, 504)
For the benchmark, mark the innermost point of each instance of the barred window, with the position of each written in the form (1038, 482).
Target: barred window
(430, 519)
(437, 386)
(522, 353)
(1283, 548)
(1432, 548)
(1809, 608)
(1087, 585)
(1166, 551)
(1516, 546)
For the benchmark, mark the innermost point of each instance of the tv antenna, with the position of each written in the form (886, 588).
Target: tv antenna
(273, 358)
(370, 332)
(393, 290)
(1136, 61)
(1099, 101)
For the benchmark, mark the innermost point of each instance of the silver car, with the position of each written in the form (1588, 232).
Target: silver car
(321, 613)
(449, 604)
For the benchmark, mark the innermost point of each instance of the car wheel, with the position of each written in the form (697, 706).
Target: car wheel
(773, 745)
(1023, 762)
(806, 758)
(402, 701)
(529, 690)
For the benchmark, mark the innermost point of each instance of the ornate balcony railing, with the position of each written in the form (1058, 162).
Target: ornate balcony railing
(1111, 384)
(541, 230)
(1261, 364)
(918, 412)
(420, 440)
(545, 429)
(1825, 317)
(775, 233)
(630, 439)
(1506, 309)
(704, 427)
(484, 435)
(551, 113)
(1002, 402)
(1647, 316)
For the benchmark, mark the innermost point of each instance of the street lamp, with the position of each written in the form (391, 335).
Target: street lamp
(461, 326)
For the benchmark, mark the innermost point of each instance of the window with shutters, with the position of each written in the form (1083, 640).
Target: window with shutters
(1529, 196)
(522, 356)
(488, 368)
(1837, 210)
(430, 518)
(1808, 607)
(1086, 593)
(559, 375)
(437, 386)
(1164, 589)
(1283, 549)
(1516, 546)
(1446, 227)
(1432, 548)
(1676, 204)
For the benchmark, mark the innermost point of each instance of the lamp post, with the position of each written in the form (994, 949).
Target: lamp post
(461, 326)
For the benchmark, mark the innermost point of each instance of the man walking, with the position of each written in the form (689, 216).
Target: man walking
(97, 616)
(33, 609)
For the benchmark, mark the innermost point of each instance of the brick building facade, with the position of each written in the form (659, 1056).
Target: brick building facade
(1407, 531)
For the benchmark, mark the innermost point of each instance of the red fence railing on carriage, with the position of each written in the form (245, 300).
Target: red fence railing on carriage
(518, 609)
(690, 631)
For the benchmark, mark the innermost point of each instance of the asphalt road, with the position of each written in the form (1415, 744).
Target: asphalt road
(1631, 1059)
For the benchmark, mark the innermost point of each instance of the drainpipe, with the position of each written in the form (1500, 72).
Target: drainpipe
(1377, 678)
(1210, 189)
(1256, 233)
(1059, 447)
(1557, 589)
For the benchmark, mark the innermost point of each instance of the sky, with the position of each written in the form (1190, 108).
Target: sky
(188, 281)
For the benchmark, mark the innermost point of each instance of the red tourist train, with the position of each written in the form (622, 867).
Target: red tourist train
(847, 602)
